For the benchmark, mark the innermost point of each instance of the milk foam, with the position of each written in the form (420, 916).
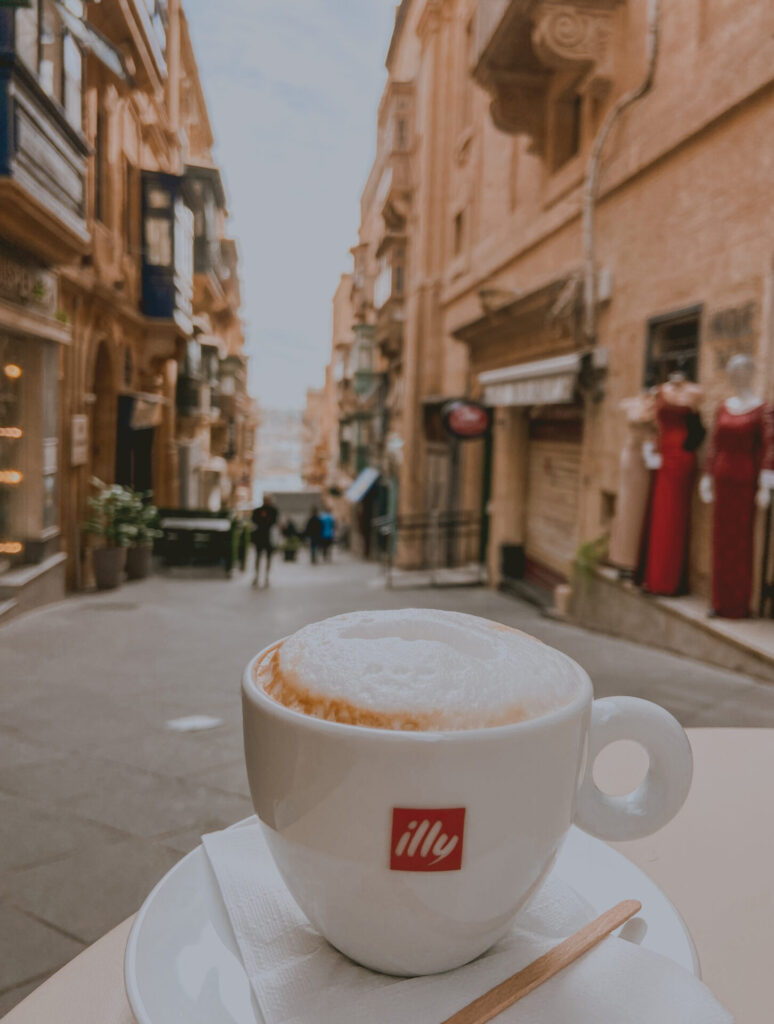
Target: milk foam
(418, 669)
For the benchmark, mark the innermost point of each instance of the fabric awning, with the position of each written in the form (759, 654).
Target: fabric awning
(358, 489)
(541, 382)
(91, 39)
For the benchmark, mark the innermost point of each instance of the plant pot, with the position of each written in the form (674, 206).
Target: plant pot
(108, 567)
(138, 562)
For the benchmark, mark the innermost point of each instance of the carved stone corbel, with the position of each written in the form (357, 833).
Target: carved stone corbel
(576, 36)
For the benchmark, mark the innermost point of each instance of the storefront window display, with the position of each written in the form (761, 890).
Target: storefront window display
(28, 447)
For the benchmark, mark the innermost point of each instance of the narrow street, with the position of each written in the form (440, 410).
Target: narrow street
(99, 797)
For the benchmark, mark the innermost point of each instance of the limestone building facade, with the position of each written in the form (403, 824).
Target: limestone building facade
(578, 201)
(119, 221)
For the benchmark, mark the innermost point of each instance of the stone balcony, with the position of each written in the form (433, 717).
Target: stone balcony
(523, 45)
(390, 321)
(393, 195)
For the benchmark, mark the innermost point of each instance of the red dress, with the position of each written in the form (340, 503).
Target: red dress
(667, 550)
(742, 444)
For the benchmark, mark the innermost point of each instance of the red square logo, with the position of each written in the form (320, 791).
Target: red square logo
(427, 839)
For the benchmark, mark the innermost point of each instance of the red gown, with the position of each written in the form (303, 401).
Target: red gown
(741, 445)
(667, 548)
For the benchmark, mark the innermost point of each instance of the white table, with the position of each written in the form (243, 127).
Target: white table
(715, 861)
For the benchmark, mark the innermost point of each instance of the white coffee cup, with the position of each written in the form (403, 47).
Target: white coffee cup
(412, 852)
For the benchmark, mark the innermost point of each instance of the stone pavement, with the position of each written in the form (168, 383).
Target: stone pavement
(98, 798)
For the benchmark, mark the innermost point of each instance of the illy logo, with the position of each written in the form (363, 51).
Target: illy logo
(427, 839)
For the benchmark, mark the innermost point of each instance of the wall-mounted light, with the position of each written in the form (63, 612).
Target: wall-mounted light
(10, 476)
(12, 370)
(11, 432)
(10, 547)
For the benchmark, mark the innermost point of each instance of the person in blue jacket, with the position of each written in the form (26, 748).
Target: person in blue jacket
(327, 533)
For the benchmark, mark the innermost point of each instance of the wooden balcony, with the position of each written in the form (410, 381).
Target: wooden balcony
(42, 164)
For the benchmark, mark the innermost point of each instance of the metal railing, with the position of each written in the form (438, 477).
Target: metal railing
(444, 546)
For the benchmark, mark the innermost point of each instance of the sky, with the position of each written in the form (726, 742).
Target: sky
(292, 88)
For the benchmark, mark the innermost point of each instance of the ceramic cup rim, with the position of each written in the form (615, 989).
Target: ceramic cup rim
(323, 726)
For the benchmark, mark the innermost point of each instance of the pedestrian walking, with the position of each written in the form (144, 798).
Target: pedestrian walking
(292, 540)
(327, 533)
(264, 526)
(313, 533)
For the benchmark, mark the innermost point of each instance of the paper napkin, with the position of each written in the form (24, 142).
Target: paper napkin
(298, 978)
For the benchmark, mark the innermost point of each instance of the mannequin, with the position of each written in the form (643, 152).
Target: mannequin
(633, 484)
(740, 460)
(680, 433)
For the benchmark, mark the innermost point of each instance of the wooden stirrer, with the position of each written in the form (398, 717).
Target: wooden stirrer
(508, 992)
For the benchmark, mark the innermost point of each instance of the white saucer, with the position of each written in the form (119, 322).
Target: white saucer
(182, 962)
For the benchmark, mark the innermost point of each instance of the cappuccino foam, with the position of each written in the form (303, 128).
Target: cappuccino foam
(417, 669)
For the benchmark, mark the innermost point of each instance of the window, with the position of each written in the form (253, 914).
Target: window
(49, 66)
(158, 17)
(383, 283)
(606, 508)
(100, 148)
(72, 73)
(192, 366)
(13, 427)
(399, 279)
(52, 54)
(567, 123)
(184, 243)
(459, 232)
(29, 417)
(673, 346)
(27, 36)
(158, 242)
(128, 367)
(132, 215)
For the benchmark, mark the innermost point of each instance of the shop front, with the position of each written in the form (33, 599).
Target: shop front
(31, 565)
(528, 365)
(538, 447)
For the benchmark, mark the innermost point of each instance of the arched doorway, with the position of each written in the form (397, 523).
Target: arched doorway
(103, 418)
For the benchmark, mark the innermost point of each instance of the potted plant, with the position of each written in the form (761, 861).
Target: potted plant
(110, 519)
(144, 518)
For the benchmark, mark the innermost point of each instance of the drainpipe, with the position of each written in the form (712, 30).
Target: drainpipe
(592, 175)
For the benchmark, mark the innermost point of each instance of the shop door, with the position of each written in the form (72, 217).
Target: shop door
(437, 477)
(553, 493)
(134, 449)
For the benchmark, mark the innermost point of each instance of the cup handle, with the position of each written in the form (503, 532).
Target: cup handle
(661, 793)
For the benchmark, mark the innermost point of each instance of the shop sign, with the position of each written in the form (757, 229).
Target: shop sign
(79, 440)
(732, 332)
(465, 419)
(146, 412)
(27, 284)
(733, 322)
(553, 390)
